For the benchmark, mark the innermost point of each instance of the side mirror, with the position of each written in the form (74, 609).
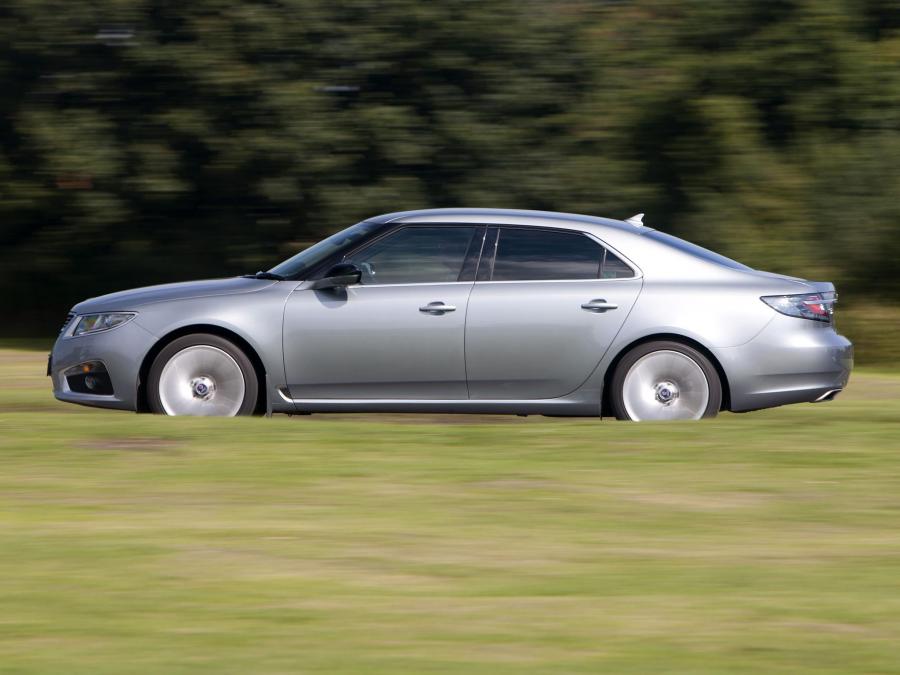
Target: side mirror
(342, 274)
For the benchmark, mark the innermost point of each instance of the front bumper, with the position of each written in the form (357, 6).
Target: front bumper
(791, 361)
(122, 350)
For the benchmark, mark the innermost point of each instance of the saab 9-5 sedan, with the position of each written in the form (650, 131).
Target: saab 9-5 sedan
(465, 310)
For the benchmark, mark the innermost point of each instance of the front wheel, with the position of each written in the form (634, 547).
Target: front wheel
(665, 381)
(202, 375)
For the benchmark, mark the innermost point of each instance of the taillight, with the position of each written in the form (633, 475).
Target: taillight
(814, 306)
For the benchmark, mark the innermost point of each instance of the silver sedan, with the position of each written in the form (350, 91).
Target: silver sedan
(465, 310)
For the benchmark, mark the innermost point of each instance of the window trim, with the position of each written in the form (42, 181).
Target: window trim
(486, 258)
(488, 254)
(469, 271)
(637, 274)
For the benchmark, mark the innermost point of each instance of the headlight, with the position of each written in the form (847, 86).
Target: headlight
(94, 323)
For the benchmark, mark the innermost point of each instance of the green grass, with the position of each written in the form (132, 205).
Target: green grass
(758, 543)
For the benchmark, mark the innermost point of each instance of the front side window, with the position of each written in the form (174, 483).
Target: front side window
(307, 260)
(534, 254)
(415, 255)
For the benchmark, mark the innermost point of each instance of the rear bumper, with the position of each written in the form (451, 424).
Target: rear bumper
(791, 361)
(121, 350)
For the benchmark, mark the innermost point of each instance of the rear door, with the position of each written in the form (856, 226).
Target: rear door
(543, 312)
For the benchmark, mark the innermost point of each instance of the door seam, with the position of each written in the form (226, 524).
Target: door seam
(466, 314)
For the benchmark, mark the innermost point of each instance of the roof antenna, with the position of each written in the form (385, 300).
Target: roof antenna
(636, 220)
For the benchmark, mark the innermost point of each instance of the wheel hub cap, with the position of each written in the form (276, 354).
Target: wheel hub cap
(203, 387)
(666, 392)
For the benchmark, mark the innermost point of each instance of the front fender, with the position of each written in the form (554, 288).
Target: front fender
(256, 318)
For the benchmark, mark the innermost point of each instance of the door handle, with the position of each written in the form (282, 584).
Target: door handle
(437, 308)
(599, 305)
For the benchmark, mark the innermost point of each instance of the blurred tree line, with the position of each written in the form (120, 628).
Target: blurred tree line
(148, 141)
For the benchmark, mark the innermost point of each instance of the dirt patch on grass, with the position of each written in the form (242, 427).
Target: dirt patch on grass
(128, 444)
(827, 627)
(696, 502)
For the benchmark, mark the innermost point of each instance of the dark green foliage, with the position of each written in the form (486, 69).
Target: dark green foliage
(143, 142)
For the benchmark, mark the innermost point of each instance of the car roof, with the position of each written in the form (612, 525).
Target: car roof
(505, 217)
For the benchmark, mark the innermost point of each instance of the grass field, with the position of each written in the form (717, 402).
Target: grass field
(758, 543)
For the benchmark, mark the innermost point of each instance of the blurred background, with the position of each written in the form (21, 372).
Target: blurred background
(151, 141)
(145, 142)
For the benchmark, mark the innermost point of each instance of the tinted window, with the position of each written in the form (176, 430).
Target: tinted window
(302, 263)
(535, 254)
(694, 250)
(614, 268)
(415, 255)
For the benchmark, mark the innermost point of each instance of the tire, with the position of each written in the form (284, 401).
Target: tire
(202, 375)
(665, 380)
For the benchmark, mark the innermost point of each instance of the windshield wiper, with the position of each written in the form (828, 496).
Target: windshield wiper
(264, 275)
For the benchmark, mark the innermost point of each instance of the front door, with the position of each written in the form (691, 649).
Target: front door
(399, 333)
(540, 321)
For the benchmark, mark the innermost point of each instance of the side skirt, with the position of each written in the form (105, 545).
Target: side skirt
(580, 406)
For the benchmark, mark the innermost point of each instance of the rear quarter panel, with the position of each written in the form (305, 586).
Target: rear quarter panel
(716, 306)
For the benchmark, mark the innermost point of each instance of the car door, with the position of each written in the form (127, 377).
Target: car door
(399, 333)
(543, 312)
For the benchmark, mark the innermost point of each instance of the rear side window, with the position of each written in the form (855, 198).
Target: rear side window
(534, 254)
(614, 268)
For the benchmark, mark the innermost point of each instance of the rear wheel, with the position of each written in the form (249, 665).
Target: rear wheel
(665, 380)
(203, 375)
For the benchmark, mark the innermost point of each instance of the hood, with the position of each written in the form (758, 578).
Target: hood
(129, 300)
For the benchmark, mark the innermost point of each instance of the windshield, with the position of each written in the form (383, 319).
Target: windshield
(302, 263)
(696, 251)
